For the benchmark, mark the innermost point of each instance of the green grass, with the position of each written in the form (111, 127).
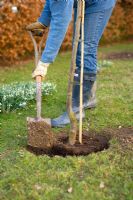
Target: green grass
(27, 177)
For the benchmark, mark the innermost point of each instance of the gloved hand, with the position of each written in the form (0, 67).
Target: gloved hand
(34, 26)
(41, 69)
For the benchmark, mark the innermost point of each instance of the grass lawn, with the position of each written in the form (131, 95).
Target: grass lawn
(106, 175)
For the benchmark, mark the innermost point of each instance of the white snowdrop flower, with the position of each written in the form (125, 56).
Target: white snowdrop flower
(17, 95)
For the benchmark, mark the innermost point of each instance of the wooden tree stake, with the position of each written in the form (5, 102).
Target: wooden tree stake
(81, 73)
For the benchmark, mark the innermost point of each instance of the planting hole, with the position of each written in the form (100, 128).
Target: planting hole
(91, 143)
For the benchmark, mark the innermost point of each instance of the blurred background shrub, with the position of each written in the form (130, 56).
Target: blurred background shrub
(15, 43)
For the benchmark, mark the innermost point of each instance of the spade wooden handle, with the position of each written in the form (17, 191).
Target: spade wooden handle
(38, 79)
(38, 95)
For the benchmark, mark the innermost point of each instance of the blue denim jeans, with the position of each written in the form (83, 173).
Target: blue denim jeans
(94, 26)
(57, 14)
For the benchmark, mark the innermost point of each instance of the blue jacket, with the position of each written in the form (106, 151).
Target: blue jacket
(96, 5)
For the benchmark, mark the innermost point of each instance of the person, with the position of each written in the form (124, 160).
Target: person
(57, 15)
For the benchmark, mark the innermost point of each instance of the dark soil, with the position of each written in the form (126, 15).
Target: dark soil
(123, 135)
(40, 134)
(122, 55)
(92, 142)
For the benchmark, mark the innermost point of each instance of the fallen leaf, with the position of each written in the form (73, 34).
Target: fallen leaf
(70, 190)
(102, 185)
(38, 187)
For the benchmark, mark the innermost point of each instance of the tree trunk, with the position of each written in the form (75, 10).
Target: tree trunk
(73, 120)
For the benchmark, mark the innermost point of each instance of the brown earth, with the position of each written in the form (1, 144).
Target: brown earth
(40, 134)
(123, 135)
(122, 55)
(92, 142)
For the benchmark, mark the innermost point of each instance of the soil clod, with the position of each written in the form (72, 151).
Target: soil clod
(40, 134)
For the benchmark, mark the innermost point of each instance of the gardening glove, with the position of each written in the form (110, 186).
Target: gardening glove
(41, 69)
(36, 28)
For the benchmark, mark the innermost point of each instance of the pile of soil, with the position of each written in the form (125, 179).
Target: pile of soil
(91, 143)
(40, 134)
(122, 55)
